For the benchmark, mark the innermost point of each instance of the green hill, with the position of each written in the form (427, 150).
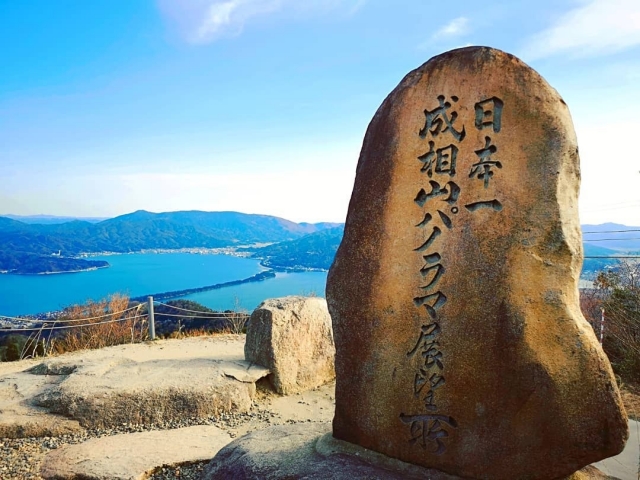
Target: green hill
(316, 250)
(592, 265)
(28, 248)
(144, 230)
(294, 245)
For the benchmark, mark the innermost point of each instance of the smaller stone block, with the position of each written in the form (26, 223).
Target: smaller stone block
(292, 337)
(131, 456)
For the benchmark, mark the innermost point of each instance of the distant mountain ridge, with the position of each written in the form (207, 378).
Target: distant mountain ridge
(52, 219)
(614, 236)
(145, 230)
(293, 245)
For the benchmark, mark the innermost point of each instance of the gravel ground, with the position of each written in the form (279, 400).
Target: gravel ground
(20, 458)
(184, 472)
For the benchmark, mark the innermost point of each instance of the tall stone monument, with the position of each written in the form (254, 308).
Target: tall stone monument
(454, 297)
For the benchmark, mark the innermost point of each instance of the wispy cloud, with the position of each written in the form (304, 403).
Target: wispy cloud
(457, 26)
(596, 27)
(204, 21)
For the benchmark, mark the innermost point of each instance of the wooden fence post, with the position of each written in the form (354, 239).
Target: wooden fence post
(152, 322)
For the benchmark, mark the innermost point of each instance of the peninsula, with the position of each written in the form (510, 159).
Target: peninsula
(21, 263)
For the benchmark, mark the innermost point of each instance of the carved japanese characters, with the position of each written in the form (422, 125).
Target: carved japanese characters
(460, 342)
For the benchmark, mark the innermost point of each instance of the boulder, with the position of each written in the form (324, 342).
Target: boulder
(309, 451)
(454, 294)
(292, 337)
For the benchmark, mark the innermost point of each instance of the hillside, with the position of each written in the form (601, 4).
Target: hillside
(144, 230)
(29, 263)
(593, 265)
(316, 250)
(28, 248)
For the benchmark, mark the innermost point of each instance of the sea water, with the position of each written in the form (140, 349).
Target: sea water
(249, 295)
(145, 274)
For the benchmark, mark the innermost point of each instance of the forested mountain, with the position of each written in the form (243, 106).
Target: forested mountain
(144, 230)
(316, 250)
(24, 246)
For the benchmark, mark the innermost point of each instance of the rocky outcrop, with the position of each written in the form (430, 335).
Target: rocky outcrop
(128, 384)
(292, 337)
(148, 392)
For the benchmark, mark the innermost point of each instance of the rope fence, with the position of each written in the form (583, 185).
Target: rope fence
(205, 316)
(62, 327)
(70, 319)
(221, 314)
(68, 323)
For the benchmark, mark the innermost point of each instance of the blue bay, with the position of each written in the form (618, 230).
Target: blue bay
(250, 295)
(142, 274)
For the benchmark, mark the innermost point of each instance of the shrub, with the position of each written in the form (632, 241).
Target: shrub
(12, 352)
(12, 345)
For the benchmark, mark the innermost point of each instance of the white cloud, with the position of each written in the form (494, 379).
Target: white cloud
(229, 17)
(457, 26)
(596, 27)
(204, 21)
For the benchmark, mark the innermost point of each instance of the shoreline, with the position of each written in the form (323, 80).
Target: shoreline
(90, 269)
(231, 251)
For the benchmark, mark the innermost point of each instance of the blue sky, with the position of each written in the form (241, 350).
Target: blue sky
(260, 106)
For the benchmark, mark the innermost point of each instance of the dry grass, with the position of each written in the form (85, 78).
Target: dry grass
(237, 320)
(95, 324)
(108, 323)
(631, 399)
(199, 332)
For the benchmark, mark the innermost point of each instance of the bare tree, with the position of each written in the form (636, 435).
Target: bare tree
(237, 319)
